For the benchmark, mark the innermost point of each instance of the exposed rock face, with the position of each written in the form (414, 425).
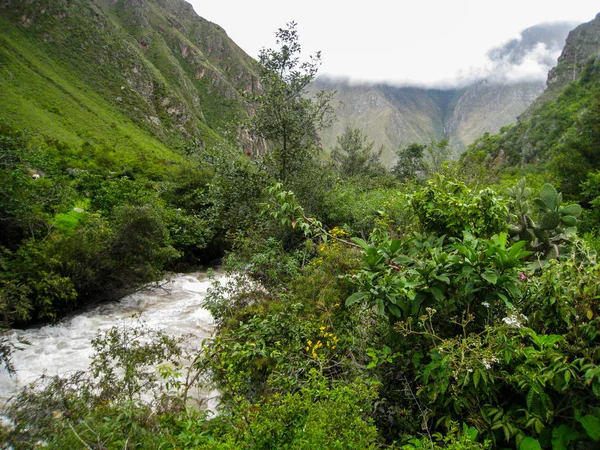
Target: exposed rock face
(487, 107)
(582, 44)
(395, 117)
(172, 72)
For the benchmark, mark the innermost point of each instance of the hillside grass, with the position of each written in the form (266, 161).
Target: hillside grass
(40, 95)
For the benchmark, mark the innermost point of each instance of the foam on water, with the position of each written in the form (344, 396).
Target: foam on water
(173, 306)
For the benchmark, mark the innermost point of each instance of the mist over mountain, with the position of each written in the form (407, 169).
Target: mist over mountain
(561, 129)
(482, 99)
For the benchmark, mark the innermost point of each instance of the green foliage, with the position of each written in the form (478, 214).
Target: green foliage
(418, 161)
(410, 164)
(284, 116)
(454, 439)
(403, 280)
(322, 414)
(116, 405)
(354, 156)
(449, 207)
(554, 231)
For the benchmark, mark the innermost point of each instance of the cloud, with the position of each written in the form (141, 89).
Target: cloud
(527, 58)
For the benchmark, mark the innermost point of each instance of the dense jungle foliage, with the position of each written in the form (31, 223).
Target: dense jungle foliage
(437, 305)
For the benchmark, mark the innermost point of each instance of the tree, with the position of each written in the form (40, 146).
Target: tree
(353, 155)
(410, 162)
(438, 153)
(284, 115)
(418, 160)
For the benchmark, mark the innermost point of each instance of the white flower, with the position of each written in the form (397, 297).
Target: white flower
(515, 321)
(486, 304)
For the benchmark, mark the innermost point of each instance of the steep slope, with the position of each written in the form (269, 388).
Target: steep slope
(397, 116)
(560, 132)
(582, 43)
(390, 117)
(137, 78)
(502, 90)
(486, 107)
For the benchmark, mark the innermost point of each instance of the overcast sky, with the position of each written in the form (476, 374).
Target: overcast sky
(422, 42)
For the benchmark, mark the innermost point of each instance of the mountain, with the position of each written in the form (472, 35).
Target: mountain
(132, 80)
(397, 116)
(581, 44)
(559, 133)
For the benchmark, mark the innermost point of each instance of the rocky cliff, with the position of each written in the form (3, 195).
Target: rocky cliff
(397, 116)
(582, 44)
(152, 66)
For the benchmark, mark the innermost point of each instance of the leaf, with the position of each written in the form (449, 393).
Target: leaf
(437, 292)
(569, 221)
(395, 246)
(490, 277)
(530, 443)
(562, 436)
(360, 242)
(571, 210)
(550, 221)
(356, 297)
(529, 398)
(516, 248)
(539, 204)
(549, 196)
(591, 425)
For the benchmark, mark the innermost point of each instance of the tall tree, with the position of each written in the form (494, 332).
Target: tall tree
(410, 162)
(284, 115)
(421, 161)
(354, 155)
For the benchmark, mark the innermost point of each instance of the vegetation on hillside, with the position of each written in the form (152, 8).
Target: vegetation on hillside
(430, 307)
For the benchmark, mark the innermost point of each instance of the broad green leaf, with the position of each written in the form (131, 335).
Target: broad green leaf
(562, 436)
(569, 221)
(395, 246)
(490, 277)
(360, 242)
(437, 292)
(591, 424)
(530, 443)
(550, 221)
(539, 204)
(549, 196)
(571, 210)
(356, 297)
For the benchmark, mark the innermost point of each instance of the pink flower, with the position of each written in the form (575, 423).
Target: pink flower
(522, 276)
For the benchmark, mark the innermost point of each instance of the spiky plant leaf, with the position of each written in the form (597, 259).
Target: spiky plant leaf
(550, 221)
(569, 221)
(571, 210)
(549, 196)
(540, 205)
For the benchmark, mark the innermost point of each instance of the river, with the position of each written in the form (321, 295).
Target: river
(173, 306)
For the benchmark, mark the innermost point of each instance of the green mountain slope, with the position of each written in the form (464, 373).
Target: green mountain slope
(560, 132)
(135, 79)
(582, 43)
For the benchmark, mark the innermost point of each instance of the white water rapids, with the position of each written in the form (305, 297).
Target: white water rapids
(59, 349)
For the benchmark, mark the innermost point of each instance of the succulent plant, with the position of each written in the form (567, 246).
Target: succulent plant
(555, 223)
